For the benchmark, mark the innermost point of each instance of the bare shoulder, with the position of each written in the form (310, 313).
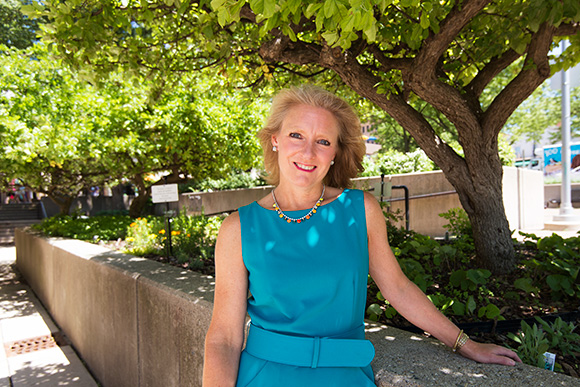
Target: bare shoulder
(231, 224)
(229, 240)
(372, 207)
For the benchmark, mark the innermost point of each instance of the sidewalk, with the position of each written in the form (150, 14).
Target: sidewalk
(34, 352)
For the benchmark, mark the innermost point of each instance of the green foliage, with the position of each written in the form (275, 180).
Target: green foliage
(470, 279)
(532, 344)
(92, 229)
(561, 336)
(238, 179)
(392, 162)
(556, 264)
(192, 238)
(60, 135)
(459, 224)
(539, 338)
(143, 236)
(16, 29)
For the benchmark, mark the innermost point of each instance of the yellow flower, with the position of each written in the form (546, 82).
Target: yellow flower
(174, 233)
(188, 235)
(133, 224)
(161, 231)
(152, 236)
(130, 239)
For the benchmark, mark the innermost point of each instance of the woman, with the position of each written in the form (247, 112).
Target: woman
(304, 253)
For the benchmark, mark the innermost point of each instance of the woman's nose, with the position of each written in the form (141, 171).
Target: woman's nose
(308, 151)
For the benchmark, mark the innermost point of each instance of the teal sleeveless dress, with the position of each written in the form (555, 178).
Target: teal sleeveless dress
(306, 281)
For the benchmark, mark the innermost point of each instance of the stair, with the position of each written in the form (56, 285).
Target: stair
(16, 215)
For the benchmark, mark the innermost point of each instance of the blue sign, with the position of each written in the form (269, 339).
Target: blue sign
(553, 159)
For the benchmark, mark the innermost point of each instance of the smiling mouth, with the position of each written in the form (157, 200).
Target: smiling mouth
(307, 168)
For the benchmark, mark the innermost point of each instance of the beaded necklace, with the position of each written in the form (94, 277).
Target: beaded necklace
(288, 219)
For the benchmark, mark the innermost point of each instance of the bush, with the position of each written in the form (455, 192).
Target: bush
(92, 229)
(238, 179)
(393, 162)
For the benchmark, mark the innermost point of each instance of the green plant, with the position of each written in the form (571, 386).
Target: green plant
(145, 236)
(92, 229)
(193, 238)
(459, 223)
(470, 279)
(561, 336)
(557, 263)
(532, 344)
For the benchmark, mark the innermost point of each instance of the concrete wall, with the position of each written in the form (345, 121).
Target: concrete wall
(137, 322)
(553, 194)
(430, 195)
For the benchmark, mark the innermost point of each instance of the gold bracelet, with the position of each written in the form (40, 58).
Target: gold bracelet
(460, 341)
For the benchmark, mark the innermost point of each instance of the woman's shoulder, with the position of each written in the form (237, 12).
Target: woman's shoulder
(231, 224)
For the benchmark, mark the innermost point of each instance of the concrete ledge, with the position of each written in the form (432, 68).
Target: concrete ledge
(137, 322)
(406, 359)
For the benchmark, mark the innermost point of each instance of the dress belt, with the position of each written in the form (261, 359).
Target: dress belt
(308, 351)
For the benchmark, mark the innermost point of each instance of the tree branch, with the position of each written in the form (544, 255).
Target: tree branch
(568, 29)
(436, 44)
(535, 71)
(490, 71)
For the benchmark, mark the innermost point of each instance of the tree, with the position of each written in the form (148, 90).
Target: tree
(391, 52)
(542, 110)
(16, 29)
(46, 129)
(60, 136)
(192, 131)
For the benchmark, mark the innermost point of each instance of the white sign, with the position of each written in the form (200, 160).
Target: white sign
(164, 193)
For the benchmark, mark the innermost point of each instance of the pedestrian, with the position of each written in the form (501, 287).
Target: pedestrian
(303, 254)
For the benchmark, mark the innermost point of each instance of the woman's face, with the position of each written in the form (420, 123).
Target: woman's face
(307, 143)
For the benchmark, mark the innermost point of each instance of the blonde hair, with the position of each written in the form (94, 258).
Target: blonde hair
(350, 149)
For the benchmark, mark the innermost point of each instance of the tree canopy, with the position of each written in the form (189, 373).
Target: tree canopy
(16, 29)
(60, 136)
(391, 52)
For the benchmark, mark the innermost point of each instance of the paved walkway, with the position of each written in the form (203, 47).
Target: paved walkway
(34, 352)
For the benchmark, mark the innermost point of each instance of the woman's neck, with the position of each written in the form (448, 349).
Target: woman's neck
(292, 198)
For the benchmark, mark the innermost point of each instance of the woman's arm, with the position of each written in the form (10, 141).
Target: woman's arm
(410, 301)
(225, 336)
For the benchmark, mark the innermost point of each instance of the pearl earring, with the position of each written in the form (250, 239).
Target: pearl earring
(274, 149)
(331, 162)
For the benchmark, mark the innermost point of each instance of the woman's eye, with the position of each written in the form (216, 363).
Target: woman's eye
(295, 135)
(324, 142)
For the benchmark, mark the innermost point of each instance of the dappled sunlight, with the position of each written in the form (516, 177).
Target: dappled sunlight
(37, 370)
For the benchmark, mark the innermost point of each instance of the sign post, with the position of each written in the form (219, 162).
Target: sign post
(166, 193)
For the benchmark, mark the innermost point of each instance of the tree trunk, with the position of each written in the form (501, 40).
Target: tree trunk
(63, 202)
(140, 201)
(482, 199)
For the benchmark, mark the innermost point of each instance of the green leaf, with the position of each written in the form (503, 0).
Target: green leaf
(374, 309)
(257, 6)
(471, 305)
(269, 8)
(331, 37)
(330, 8)
(216, 4)
(458, 308)
(525, 284)
(424, 22)
(312, 9)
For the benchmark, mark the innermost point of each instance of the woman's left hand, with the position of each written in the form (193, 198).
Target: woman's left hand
(489, 353)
